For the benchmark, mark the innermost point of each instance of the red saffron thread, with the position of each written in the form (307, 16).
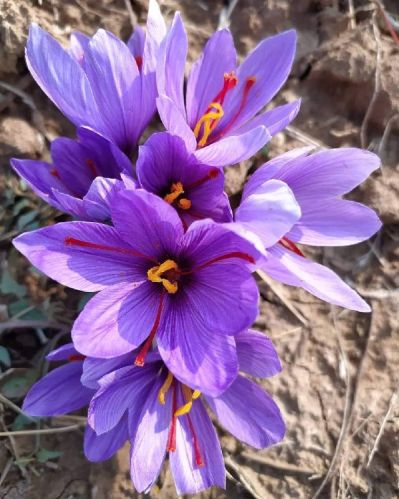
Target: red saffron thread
(147, 345)
(213, 173)
(291, 246)
(197, 451)
(234, 254)
(171, 445)
(92, 167)
(75, 357)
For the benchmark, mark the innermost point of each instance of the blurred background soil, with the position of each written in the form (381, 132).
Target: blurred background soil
(338, 390)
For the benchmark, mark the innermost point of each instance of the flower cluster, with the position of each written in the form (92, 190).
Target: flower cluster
(167, 335)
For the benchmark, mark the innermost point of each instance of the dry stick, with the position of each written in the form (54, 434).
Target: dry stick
(347, 412)
(304, 137)
(225, 14)
(386, 134)
(377, 84)
(278, 465)
(132, 15)
(20, 324)
(14, 407)
(45, 431)
(392, 402)
(352, 14)
(279, 292)
(243, 479)
(5, 471)
(21, 85)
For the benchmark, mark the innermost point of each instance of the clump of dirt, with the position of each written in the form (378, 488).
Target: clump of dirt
(340, 367)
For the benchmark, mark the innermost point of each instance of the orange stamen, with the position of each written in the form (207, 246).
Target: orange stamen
(291, 246)
(71, 241)
(167, 274)
(139, 361)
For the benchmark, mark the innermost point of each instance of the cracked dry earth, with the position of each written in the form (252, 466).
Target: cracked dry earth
(340, 368)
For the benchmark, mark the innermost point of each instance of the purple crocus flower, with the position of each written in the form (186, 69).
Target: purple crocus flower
(218, 116)
(191, 291)
(195, 190)
(101, 82)
(82, 177)
(168, 416)
(61, 391)
(318, 182)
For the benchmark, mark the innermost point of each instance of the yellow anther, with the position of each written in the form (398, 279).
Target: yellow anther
(210, 119)
(189, 395)
(184, 204)
(164, 388)
(154, 274)
(176, 190)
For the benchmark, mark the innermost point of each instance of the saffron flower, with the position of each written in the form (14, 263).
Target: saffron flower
(61, 391)
(195, 190)
(101, 82)
(162, 414)
(82, 177)
(191, 291)
(318, 182)
(220, 117)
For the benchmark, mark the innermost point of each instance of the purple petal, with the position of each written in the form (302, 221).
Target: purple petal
(270, 212)
(95, 369)
(116, 84)
(156, 31)
(60, 77)
(78, 44)
(41, 179)
(256, 354)
(171, 62)
(101, 447)
(189, 477)
(271, 169)
(58, 392)
(197, 355)
(104, 327)
(70, 204)
(62, 353)
(328, 174)
(149, 444)
(334, 222)
(175, 122)
(207, 74)
(275, 119)
(270, 64)
(148, 224)
(98, 200)
(121, 390)
(136, 41)
(82, 255)
(234, 149)
(289, 268)
(249, 413)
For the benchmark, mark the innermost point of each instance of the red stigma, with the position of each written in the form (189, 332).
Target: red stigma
(75, 357)
(140, 359)
(71, 241)
(139, 61)
(227, 256)
(230, 81)
(92, 167)
(54, 173)
(213, 173)
(197, 451)
(291, 246)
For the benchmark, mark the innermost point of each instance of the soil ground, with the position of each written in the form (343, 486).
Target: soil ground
(338, 390)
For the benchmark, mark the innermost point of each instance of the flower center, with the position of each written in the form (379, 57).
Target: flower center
(175, 196)
(189, 396)
(168, 273)
(214, 113)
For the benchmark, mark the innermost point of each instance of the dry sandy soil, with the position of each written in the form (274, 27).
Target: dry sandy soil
(338, 390)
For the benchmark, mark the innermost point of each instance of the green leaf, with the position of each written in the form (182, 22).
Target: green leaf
(17, 385)
(5, 357)
(21, 421)
(44, 455)
(9, 285)
(26, 219)
(18, 307)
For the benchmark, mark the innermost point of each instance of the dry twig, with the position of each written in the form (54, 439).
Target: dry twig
(278, 465)
(46, 431)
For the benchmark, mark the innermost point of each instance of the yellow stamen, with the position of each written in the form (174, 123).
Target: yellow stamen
(175, 191)
(184, 204)
(154, 274)
(164, 388)
(210, 119)
(189, 395)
